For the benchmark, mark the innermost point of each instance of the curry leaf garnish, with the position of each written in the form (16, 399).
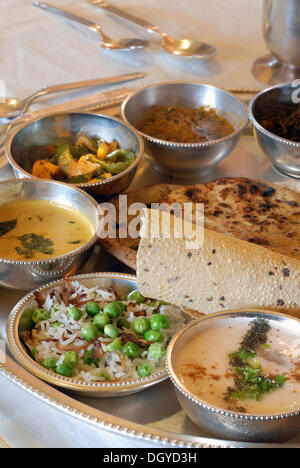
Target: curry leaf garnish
(7, 226)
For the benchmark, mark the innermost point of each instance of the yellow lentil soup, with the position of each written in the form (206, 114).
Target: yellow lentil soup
(39, 229)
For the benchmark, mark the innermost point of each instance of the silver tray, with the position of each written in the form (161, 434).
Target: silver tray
(152, 416)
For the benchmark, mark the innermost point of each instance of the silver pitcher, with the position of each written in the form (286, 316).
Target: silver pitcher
(281, 28)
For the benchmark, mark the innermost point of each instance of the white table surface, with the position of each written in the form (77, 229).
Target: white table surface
(38, 49)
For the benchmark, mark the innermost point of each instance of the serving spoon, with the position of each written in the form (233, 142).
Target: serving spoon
(184, 48)
(124, 44)
(13, 107)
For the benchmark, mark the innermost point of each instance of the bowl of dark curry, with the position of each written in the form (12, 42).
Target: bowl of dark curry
(275, 115)
(188, 128)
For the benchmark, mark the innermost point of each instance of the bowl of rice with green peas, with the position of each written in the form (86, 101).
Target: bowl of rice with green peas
(94, 334)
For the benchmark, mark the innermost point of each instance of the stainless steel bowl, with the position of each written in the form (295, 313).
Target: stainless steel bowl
(24, 275)
(227, 424)
(186, 160)
(281, 28)
(284, 154)
(47, 130)
(122, 283)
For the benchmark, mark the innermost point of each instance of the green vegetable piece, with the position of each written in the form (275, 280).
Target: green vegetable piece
(75, 313)
(80, 179)
(111, 331)
(116, 167)
(89, 332)
(115, 345)
(105, 376)
(141, 325)
(65, 370)
(26, 322)
(100, 320)
(88, 358)
(136, 296)
(57, 324)
(144, 370)
(159, 321)
(50, 364)
(153, 335)
(131, 350)
(39, 315)
(34, 352)
(114, 309)
(71, 359)
(156, 351)
(92, 308)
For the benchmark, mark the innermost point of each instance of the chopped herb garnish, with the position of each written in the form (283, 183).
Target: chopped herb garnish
(75, 242)
(32, 243)
(250, 383)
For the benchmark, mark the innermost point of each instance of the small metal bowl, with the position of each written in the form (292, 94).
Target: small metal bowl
(284, 154)
(224, 423)
(47, 130)
(24, 275)
(122, 283)
(186, 160)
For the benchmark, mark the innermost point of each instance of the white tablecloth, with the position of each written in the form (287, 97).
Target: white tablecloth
(39, 49)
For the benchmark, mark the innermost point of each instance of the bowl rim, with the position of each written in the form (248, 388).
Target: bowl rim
(15, 165)
(174, 144)
(72, 253)
(32, 366)
(204, 404)
(262, 129)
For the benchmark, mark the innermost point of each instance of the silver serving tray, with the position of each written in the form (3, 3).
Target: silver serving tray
(153, 415)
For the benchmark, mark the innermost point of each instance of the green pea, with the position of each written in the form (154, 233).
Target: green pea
(141, 325)
(156, 351)
(100, 320)
(50, 364)
(115, 345)
(64, 370)
(92, 308)
(114, 309)
(39, 315)
(75, 313)
(71, 359)
(136, 296)
(26, 320)
(153, 335)
(105, 376)
(89, 331)
(131, 350)
(111, 331)
(88, 358)
(144, 370)
(159, 321)
(57, 324)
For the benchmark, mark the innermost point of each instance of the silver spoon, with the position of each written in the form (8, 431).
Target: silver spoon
(13, 107)
(107, 43)
(184, 48)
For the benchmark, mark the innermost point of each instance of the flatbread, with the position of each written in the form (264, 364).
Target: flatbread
(226, 273)
(262, 213)
(125, 249)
